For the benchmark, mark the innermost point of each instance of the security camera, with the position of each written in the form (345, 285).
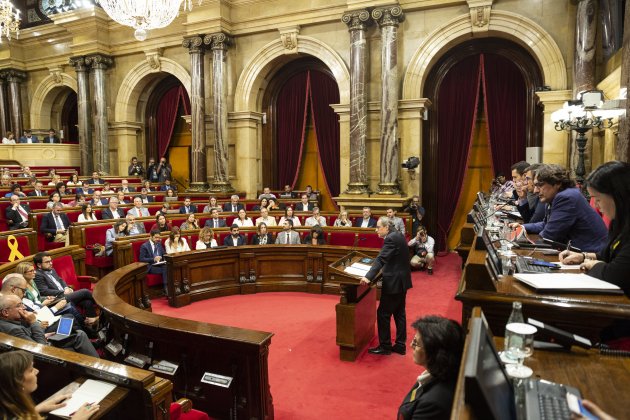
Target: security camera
(411, 163)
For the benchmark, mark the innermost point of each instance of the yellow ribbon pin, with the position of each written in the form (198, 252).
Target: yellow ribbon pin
(13, 246)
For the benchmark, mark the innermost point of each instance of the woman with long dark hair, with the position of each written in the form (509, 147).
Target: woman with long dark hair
(609, 186)
(18, 376)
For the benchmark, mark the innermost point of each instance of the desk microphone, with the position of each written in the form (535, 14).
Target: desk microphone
(514, 244)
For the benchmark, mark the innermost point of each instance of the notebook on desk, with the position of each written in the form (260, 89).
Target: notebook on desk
(490, 394)
(568, 283)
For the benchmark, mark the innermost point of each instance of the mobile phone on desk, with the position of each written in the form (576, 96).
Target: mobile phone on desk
(545, 264)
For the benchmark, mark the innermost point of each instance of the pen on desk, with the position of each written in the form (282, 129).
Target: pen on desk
(569, 246)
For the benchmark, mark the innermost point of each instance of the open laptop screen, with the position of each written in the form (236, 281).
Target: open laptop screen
(65, 326)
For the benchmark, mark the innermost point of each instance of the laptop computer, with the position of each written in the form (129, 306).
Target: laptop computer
(64, 329)
(488, 389)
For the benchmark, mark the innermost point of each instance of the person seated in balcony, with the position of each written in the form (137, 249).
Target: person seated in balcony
(315, 237)
(28, 138)
(423, 255)
(17, 214)
(161, 224)
(9, 138)
(288, 215)
(342, 220)
(87, 215)
(51, 137)
(206, 239)
(262, 237)
(242, 220)
(367, 221)
(119, 230)
(191, 223)
(175, 242)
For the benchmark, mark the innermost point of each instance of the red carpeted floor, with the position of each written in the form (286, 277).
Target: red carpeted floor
(308, 381)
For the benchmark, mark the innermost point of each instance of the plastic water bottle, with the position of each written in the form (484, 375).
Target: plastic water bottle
(515, 317)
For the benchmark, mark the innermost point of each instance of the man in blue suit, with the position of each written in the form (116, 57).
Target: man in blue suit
(569, 216)
(28, 137)
(152, 253)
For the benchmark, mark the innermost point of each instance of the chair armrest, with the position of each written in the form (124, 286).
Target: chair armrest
(87, 279)
(185, 403)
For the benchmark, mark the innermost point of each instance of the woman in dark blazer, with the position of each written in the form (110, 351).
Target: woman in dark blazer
(316, 237)
(262, 237)
(437, 345)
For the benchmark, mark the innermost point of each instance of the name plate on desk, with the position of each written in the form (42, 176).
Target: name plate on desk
(164, 366)
(218, 380)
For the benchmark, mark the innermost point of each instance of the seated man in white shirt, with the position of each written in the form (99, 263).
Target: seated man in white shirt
(265, 218)
(423, 254)
(367, 221)
(315, 219)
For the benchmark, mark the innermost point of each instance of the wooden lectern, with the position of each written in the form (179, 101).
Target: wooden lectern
(356, 311)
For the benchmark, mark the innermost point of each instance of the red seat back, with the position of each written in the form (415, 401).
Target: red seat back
(64, 266)
(341, 238)
(22, 247)
(369, 240)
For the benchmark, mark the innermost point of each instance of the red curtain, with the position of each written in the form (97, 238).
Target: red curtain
(291, 125)
(457, 101)
(505, 104)
(323, 93)
(167, 113)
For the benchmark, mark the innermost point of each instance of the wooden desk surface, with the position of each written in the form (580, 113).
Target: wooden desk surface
(580, 313)
(604, 380)
(108, 403)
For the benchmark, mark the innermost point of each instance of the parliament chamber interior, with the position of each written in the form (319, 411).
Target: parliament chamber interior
(227, 202)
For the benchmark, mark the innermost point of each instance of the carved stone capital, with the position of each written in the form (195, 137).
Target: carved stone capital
(153, 58)
(218, 41)
(78, 63)
(194, 44)
(289, 39)
(388, 15)
(13, 75)
(357, 20)
(99, 61)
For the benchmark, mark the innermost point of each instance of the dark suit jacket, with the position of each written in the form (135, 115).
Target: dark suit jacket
(433, 402)
(146, 252)
(104, 202)
(107, 213)
(150, 199)
(135, 171)
(371, 222)
(34, 194)
(532, 215)
(299, 207)
(210, 223)
(228, 207)
(33, 139)
(182, 209)
(572, 218)
(81, 190)
(615, 266)
(229, 241)
(48, 139)
(256, 239)
(93, 181)
(394, 261)
(32, 332)
(49, 227)
(308, 240)
(15, 218)
(46, 286)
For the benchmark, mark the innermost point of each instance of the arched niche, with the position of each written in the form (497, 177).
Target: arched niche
(48, 100)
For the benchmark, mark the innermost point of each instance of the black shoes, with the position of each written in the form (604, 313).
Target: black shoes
(380, 351)
(400, 350)
(430, 271)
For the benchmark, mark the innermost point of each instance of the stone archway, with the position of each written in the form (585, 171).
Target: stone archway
(512, 26)
(47, 96)
(129, 107)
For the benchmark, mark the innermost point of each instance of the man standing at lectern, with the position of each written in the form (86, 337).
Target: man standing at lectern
(396, 276)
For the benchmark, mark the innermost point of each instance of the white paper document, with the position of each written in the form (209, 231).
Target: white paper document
(91, 392)
(44, 314)
(568, 282)
(355, 271)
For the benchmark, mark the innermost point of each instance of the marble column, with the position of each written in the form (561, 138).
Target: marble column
(388, 19)
(83, 104)
(4, 124)
(219, 44)
(199, 178)
(99, 64)
(358, 21)
(584, 73)
(611, 17)
(622, 151)
(14, 77)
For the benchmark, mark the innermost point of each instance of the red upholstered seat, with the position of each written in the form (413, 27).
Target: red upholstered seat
(64, 266)
(341, 238)
(152, 279)
(177, 412)
(22, 247)
(38, 204)
(249, 236)
(73, 215)
(229, 220)
(148, 224)
(221, 237)
(3, 225)
(331, 220)
(369, 240)
(42, 243)
(96, 234)
(250, 206)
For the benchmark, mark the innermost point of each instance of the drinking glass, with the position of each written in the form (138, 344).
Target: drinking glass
(519, 345)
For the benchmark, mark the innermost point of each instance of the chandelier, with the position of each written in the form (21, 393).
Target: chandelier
(9, 20)
(587, 112)
(143, 15)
